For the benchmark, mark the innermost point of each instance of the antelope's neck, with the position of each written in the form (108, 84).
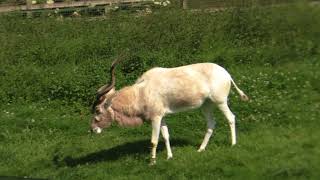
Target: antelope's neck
(124, 119)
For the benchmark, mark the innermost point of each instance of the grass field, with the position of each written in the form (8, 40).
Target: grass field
(50, 70)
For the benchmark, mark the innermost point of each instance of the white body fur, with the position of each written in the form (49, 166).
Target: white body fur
(162, 91)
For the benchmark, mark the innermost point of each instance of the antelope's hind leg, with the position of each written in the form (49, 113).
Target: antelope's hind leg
(207, 112)
(165, 135)
(231, 120)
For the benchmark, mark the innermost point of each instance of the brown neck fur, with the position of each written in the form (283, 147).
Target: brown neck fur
(125, 120)
(126, 106)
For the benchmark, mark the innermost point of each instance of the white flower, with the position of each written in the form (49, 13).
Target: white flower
(50, 1)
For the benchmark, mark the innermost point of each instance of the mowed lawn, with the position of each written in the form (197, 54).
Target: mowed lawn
(278, 136)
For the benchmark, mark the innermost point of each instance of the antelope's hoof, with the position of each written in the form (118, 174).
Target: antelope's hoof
(152, 162)
(201, 150)
(169, 157)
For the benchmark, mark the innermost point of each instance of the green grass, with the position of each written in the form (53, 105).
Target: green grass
(277, 138)
(50, 70)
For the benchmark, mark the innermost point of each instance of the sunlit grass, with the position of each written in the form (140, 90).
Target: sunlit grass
(50, 70)
(277, 138)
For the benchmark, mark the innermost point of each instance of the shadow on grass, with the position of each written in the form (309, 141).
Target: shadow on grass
(112, 154)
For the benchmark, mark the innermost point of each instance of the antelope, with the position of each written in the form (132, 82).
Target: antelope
(162, 91)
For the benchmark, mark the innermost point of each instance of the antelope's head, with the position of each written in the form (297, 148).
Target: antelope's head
(102, 112)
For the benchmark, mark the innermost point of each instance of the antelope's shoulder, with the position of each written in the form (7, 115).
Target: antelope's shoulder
(150, 74)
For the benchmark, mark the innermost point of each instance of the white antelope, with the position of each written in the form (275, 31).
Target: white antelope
(161, 91)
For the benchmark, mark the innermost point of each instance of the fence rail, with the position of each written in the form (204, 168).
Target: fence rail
(85, 3)
(185, 4)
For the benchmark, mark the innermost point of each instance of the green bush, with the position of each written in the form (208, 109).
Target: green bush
(45, 59)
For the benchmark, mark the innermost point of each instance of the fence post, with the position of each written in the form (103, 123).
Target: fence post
(29, 4)
(184, 4)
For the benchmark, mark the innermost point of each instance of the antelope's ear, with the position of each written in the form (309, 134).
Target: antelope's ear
(105, 100)
(102, 88)
(109, 96)
(98, 118)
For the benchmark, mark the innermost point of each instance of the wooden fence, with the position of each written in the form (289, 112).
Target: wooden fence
(217, 4)
(70, 4)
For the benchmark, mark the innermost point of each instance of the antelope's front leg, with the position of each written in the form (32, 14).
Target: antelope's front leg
(155, 138)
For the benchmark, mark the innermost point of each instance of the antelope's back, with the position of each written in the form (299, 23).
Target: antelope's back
(182, 87)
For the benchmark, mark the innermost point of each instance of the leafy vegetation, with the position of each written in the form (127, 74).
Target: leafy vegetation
(50, 69)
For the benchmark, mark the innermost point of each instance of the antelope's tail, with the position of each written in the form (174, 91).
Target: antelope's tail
(243, 96)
